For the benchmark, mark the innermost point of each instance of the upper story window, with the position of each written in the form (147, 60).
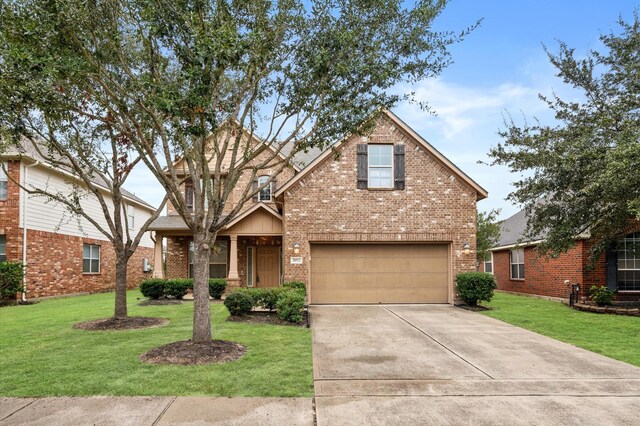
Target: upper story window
(4, 182)
(131, 216)
(516, 260)
(380, 166)
(488, 262)
(91, 259)
(3, 248)
(629, 263)
(265, 194)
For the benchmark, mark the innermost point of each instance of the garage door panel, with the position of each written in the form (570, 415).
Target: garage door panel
(379, 273)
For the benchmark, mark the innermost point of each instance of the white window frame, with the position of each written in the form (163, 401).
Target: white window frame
(369, 167)
(251, 267)
(3, 248)
(490, 261)
(623, 244)
(91, 258)
(261, 181)
(519, 255)
(131, 216)
(4, 182)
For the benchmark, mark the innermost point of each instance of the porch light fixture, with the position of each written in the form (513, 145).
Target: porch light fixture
(467, 248)
(296, 248)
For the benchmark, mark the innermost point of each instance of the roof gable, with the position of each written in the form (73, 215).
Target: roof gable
(481, 192)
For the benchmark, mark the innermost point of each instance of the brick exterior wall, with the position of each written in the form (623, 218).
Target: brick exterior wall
(54, 265)
(54, 261)
(545, 276)
(435, 205)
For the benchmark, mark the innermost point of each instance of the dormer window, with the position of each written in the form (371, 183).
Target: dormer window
(265, 194)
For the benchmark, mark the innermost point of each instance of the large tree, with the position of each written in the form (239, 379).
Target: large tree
(487, 233)
(186, 80)
(582, 173)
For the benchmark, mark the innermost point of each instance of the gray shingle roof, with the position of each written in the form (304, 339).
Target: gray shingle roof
(513, 229)
(168, 223)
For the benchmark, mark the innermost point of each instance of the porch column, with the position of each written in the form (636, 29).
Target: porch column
(157, 257)
(233, 258)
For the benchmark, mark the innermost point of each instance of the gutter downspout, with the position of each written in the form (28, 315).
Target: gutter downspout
(24, 231)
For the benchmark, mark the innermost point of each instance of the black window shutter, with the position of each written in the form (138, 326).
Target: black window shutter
(361, 162)
(188, 196)
(612, 268)
(398, 166)
(256, 196)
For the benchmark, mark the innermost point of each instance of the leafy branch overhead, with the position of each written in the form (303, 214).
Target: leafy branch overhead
(582, 174)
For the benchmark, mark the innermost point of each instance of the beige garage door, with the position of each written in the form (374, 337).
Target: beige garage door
(379, 273)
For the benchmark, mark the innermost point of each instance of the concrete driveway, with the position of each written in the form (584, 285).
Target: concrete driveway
(436, 364)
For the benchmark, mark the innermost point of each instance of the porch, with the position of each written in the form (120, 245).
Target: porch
(247, 252)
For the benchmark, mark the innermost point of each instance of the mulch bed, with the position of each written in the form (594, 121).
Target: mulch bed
(188, 353)
(266, 318)
(160, 302)
(117, 324)
(477, 308)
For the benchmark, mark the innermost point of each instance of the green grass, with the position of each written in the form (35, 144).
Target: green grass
(615, 336)
(42, 355)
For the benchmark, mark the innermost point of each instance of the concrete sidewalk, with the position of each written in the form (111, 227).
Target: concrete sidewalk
(134, 411)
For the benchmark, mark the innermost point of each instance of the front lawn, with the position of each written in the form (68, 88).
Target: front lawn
(615, 336)
(41, 354)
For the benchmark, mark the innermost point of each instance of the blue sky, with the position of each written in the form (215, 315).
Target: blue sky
(500, 67)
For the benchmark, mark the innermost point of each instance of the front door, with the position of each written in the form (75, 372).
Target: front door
(268, 266)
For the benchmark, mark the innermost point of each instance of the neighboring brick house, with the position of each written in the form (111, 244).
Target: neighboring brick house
(379, 219)
(62, 254)
(518, 268)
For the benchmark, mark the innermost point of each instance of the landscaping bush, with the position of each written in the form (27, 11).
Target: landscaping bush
(153, 288)
(177, 288)
(238, 302)
(296, 285)
(602, 296)
(217, 286)
(268, 297)
(11, 274)
(475, 286)
(290, 305)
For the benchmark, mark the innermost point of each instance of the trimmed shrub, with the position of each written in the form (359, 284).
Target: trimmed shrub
(290, 305)
(177, 288)
(601, 295)
(296, 285)
(475, 286)
(11, 274)
(217, 286)
(268, 297)
(153, 288)
(238, 302)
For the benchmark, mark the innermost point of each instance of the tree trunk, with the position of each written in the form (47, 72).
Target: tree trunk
(201, 308)
(121, 284)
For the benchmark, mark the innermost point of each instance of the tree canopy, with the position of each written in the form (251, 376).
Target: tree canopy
(487, 233)
(582, 173)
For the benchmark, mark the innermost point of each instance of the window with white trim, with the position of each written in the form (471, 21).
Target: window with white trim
(91, 259)
(380, 173)
(3, 248)
(131, 216)
(629, 263)
(4, 182)
(488, 262)
(265, 194)
(250, 251)
(516, 261)
(217, 260)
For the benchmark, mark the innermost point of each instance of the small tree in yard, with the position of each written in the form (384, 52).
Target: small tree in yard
(11, 274)
(487, 233)
(474, 287)
(191, 83)
(582, 174)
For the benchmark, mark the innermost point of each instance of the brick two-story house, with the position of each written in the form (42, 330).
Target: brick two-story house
(63, 254)
(379, 219)
(519, 268)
